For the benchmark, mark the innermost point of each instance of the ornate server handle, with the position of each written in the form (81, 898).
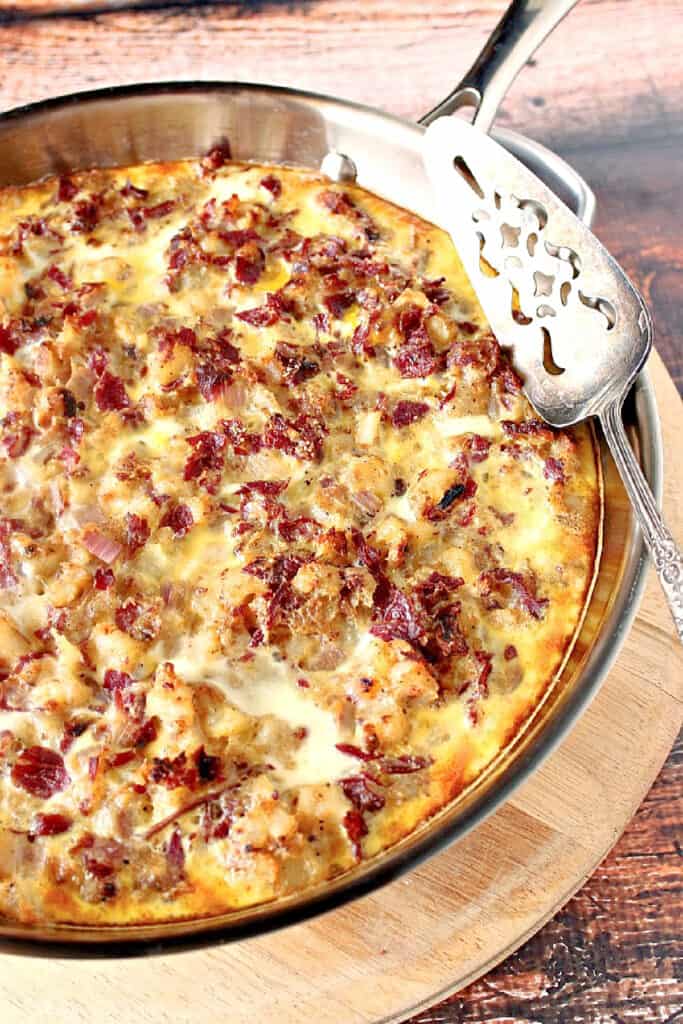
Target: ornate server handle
(665, 552)
(515, 38)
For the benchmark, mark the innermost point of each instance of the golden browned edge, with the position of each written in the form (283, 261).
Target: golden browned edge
(523, 725)
(528, 720)
(453, 793)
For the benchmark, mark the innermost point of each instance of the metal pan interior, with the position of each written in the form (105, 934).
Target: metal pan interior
(129, 125)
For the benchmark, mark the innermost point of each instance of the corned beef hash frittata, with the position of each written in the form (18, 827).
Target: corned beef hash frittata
(286, 557)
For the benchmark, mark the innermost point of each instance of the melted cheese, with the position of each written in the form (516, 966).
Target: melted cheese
(266, 687)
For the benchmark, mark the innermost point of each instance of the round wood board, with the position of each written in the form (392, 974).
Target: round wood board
(435, 930)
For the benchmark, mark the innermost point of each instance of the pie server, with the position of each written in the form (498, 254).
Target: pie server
(578, 330)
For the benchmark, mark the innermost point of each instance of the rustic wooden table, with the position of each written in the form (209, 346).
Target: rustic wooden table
(607, 93)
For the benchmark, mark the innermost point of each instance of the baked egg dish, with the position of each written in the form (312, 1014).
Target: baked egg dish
(287, 559)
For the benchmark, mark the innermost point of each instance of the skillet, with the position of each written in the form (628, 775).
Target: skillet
(168, 121)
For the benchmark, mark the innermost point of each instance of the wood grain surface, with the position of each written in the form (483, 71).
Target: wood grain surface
(611, 72)
(606, 91)
(613, 954)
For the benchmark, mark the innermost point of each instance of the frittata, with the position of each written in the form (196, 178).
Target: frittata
(286, 557)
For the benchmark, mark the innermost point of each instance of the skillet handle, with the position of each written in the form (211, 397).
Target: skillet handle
(666, 555)
(515, 38)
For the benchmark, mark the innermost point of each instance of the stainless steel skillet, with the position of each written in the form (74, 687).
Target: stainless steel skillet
(168, 121)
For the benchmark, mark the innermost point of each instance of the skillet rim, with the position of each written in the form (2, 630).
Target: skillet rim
(79, 941)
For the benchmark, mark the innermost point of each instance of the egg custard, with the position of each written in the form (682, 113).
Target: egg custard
(286, 557)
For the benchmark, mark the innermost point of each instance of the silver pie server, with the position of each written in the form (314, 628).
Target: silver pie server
(578, 330)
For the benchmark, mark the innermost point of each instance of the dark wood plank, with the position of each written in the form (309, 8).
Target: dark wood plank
(26, 10)
(640, 220)
(613, 954)
(401, 57)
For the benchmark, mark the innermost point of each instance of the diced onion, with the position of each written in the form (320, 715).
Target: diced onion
(84, 514)
(233, 396)
(101, 546)
(368, 427)
(367, 501)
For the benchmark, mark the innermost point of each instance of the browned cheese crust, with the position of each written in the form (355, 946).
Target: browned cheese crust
(286, 558)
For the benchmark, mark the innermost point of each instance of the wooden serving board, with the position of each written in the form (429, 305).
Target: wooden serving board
(430, 933)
